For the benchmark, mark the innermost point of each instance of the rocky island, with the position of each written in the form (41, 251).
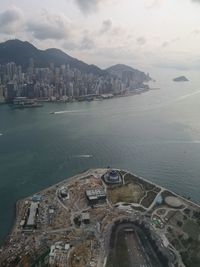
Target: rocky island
(181, 79)
(104, 217)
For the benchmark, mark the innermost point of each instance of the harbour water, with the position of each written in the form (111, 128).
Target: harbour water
(155, 135)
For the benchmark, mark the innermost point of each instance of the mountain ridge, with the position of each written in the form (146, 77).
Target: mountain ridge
(20, 52)
(120, 69)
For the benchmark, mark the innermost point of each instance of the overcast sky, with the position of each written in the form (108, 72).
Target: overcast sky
(160, 34)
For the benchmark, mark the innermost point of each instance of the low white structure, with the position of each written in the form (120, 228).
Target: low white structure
(31, 222)
(173, 202)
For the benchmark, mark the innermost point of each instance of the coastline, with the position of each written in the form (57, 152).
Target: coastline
(77, 177)
(126, 209)
(95, 98)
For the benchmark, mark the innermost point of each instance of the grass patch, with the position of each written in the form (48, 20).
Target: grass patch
(129, 193)
(147, 201)
(138, 209)
(191, 258)
(129, 178)
(192, 229)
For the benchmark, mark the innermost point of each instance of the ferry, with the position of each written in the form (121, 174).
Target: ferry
(24, 102)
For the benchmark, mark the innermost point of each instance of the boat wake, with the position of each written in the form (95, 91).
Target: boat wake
(174, 142)
(66, 111)
(188, 95)
(168, 103)
(83, 156)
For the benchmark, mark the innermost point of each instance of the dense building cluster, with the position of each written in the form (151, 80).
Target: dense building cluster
(58, 83)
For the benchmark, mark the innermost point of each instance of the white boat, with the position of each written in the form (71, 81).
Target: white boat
(84, 156)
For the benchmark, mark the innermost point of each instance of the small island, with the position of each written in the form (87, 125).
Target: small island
(180, 79)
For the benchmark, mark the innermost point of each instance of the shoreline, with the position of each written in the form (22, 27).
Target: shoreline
(98, 97)
(77, 177)
(19, 201)
(141, 205)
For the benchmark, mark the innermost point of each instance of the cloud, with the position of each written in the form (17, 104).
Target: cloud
(179, 66)
(107, 56)
(170, 42)
(176, 66)
(196, 32)
(11, 20)
(196, 1)
(70, 45)
(106, 26)
(153, 3)
(87, 43)
(88, 6)
(165, 44)
(183, 61)
(141, 40)
(50, 26)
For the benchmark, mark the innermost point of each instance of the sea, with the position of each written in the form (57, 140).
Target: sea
(155, 135)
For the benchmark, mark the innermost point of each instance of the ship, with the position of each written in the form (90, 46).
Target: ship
(24, 102)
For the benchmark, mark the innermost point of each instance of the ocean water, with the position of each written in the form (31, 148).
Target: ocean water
(155, 135)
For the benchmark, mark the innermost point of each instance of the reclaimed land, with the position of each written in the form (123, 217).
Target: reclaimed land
(84, 221)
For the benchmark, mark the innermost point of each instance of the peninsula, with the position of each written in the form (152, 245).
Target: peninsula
(104, 217)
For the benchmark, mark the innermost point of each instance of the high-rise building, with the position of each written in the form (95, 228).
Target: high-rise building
(11, 91)
(1, 93)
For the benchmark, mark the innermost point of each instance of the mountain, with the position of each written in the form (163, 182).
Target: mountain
(124, 71)
(181, 79)
(20, 52)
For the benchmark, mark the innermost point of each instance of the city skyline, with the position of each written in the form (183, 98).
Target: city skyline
(54, 76)
(152, 35)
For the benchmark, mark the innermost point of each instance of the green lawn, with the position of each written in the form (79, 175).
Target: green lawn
(192, 229)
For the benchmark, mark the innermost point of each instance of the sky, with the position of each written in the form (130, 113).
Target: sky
(147, 34)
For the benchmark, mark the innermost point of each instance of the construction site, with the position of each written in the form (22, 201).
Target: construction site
(93, 218)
